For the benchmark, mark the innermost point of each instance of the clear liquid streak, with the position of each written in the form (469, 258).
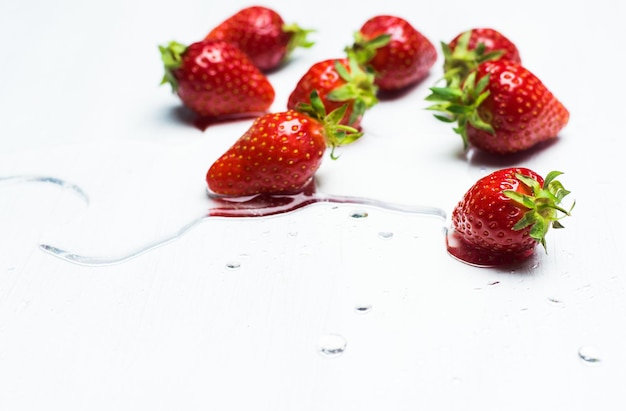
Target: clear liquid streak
(46, 180)
(255, 206)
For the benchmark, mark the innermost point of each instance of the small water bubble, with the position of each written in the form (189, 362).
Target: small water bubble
(233, 265)
(359, 214)
(589, 354)
(331, 345)
(385, 235)
(363, 308)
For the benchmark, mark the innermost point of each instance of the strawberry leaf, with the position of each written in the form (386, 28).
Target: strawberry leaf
(299, 38)
(543, 205)
(171, 55)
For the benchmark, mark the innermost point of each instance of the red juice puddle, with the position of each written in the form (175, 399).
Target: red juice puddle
(471, 255)
(256, 206)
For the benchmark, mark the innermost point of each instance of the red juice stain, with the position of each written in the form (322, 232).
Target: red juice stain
(462, 251)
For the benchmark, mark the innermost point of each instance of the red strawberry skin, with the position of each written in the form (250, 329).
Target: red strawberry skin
(215, 79)
(323, 77)
(493, 40)
(258, 32)
(484, 218)
(278, 154)
(406, 59)
(520, 108)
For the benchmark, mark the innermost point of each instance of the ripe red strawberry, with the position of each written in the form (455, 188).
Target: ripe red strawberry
(398, 54)
(215, 79)
(504, 215)
(501, 108)
(280, 152)
(337, 82)
(472, 47)
(262, 34)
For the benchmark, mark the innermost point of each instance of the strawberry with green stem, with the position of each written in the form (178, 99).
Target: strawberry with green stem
(215, 79)
(505, 215)
(397, 53)
(261, 33)
(280, 152)
(501, 107)
(472, 47)
(337, 82)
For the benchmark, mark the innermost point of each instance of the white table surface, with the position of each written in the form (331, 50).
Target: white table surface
(231, 316)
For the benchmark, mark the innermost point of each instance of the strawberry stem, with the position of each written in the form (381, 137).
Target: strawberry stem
(359, 87)
(543, 205)
(458, 63)
(171, 55)
(336, 134)
(363, 50)
(298, 38)
(460, 102)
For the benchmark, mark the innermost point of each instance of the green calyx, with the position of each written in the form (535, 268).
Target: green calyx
(336, 134)
(544, 210)
(363, 49)
(298, 37)
(171, 55)
(359, 87)
(459, 102)
(458, 63)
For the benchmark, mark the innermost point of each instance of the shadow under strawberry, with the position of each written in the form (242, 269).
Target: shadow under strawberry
(392, 95)
(478, 157)
(187, 117)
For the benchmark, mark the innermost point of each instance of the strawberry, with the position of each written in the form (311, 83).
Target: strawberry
(472, 47)
(280, 152)
(504, 215)
(262, 34)
(215, 79)
(501, 107)
(398, 54)
(337, 82)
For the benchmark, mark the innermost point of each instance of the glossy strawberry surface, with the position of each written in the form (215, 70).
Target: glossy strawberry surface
(260, 32)
(215, 79)
(337, 82)
(492, 40)
(279, 153)
(485, 216)
(500, 107)
(404, 60)
(521, 110)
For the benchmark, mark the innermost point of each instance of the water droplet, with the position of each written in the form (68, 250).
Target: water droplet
(363, 308)
(359, 214)
(385, 235)
(589, 354)
(331, 345)
(233, 265)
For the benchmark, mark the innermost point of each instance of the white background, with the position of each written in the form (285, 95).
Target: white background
(177, 329)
